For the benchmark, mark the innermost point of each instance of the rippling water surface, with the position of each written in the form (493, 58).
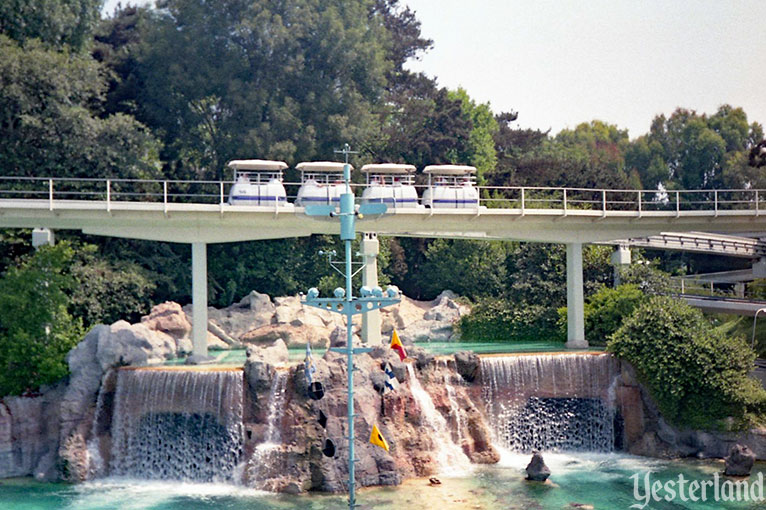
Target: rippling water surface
(600, 480)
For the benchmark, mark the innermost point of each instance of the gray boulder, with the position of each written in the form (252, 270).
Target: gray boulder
(274, 354)
(467, 365)
(740, 461)
(537, 471)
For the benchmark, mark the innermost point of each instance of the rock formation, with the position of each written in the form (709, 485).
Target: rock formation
(298, 464)
(536, 470)
(740, 461)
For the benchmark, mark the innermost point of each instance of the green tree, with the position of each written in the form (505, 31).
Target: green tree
(591, 156)
(502, 320)
(692, 151)
(469, 268)
(36, 330)
(57, 23)
(278, 80)
(606, 309)
(107, 292)
(421, 125)
(697, 375)
(49, 125)
(481, 148)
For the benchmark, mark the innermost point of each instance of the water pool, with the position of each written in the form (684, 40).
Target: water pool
(600, 480)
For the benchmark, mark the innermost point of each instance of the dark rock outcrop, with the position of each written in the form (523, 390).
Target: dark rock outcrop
(740, 461)
(467, 365)
(537, 471)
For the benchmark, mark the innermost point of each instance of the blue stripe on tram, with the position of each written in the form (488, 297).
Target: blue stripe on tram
(392, 200)
(265, 199)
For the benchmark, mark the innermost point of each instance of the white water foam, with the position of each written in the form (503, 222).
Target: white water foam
(264, 453)
(449, 456)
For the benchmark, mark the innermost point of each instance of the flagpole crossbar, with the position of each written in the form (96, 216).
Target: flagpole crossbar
(357, 305)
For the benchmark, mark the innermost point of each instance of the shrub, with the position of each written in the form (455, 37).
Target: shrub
(697, 375)
(647, 278)
(498, 320)
(605, 311)
(607, 308)
(107, 292)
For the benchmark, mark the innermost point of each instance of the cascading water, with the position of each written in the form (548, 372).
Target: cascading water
(272, 439)
(276, 409)
(449, 456)
(551, 402)
(177, 425)
(454, 409)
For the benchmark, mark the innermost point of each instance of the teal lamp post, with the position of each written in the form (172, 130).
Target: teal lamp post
(345, 302)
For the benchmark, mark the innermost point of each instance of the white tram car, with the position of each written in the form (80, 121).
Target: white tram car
(451, 187)
(321, 183)
(390, 183)
(258, 182)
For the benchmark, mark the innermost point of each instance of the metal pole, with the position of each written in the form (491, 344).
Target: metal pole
(350, 366)
(347, 234)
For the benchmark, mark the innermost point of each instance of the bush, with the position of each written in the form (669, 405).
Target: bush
(106, 292)
(647, 278)
(36, 331)
(697, 375)
(499, 320)
(605, 311)
(607, 308)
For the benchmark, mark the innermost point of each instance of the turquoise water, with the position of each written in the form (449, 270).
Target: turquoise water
(600, 480)
(237, 356)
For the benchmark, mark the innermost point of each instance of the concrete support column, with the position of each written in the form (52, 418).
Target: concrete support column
(370, 320)
(43, 237)
(199, 303)
(759, 268)
(620, 257)
(575, 299)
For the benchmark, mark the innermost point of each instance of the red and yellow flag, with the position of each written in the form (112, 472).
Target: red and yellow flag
(397, 345)
(377, 438)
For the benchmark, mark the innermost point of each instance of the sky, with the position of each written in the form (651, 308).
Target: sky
(562, 62)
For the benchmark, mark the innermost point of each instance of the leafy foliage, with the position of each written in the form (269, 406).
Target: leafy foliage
(107, 292)
(503, 320)
(606, 309)
(692, 151)
(697, 375)
(47, 126)
(646, 277)
(36, 330)
(57, 23)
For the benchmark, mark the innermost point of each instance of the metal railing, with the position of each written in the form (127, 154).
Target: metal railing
(523, 199)
(705, 287)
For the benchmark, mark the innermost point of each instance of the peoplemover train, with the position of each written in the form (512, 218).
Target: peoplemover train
(260, 182)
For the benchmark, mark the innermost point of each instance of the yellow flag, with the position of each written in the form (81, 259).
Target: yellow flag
(396, 345)
(377, 438)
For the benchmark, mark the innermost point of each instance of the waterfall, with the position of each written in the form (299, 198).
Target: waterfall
(449, 456)
(96, 464)
(265, 452)
(551, 402)
(177, 424)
